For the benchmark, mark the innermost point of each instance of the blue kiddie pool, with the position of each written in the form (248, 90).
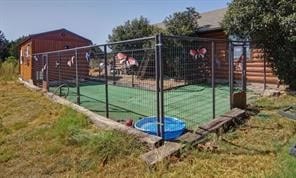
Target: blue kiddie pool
(173, 127)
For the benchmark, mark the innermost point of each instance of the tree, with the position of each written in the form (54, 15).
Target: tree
(3, 46)
(136, 28)
(271, 24)
(14, 47)
(182, 23)
(131, 29)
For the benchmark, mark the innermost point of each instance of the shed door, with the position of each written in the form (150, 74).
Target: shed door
(26, 62)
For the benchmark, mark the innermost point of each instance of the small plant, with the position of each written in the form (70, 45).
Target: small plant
(9, 69)
(109, 144)
(72, 129)
(69, 124)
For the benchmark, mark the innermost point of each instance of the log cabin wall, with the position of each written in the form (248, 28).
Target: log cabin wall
(255, 68)
(221, 53)
(255, 63)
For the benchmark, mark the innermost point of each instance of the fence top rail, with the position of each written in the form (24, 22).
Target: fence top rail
(145, 38)
(98, 45)
(132, 40)
(205, 39)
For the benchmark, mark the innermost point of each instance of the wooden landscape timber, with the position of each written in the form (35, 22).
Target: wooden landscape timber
(239, 100)
(193, 138)
(156, 155)
(289, 112)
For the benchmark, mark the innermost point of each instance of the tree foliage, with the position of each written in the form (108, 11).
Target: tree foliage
(13, 47)
(9, 48)
(182, 23)
(272, 25)
(131, 29)
(3, 46)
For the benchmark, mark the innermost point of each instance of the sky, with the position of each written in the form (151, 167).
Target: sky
(92, 19)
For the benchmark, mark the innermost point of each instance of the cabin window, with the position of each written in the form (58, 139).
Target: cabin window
(238, 47)
(238, 51)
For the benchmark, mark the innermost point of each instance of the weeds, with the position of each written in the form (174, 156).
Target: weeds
(71, 129)
(111, 144)
(274, 103)
(39, 138)
(8, 70)
(69, 125)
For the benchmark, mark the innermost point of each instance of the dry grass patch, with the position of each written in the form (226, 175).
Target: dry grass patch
(41, 138)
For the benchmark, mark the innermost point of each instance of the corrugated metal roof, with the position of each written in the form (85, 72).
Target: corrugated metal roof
(208, 20)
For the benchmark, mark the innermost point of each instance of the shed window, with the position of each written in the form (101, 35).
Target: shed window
(39, 75)
(28, 51)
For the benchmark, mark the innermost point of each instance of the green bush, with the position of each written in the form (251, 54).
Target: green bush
(9, 69)
(271, 25)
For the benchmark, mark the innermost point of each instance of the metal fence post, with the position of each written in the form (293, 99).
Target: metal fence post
(106, 81)
(264, 63)
(133, 73)
(47, 68)
(161, 100)
(244, 72)
(114, 70)
(77, 78)
(157, 84)
(59, 73)
(133, 78)
(213, 78)
(230, 62)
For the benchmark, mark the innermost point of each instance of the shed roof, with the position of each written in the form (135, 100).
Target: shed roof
(208, 21)
(38, 35)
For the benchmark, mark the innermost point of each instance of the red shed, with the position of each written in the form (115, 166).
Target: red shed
(45, 42)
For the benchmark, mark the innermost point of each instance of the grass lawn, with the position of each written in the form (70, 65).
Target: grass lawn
(41, 138)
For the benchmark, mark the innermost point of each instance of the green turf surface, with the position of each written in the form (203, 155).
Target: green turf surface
(192, 103)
